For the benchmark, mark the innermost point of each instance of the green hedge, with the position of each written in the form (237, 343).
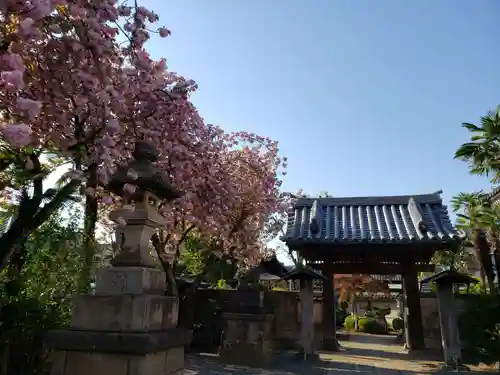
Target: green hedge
(350, 322)
(370, 325)
(398, 324)
(364, 324)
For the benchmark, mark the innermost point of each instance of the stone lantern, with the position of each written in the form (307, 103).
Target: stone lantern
(140, 207)
(128, 326)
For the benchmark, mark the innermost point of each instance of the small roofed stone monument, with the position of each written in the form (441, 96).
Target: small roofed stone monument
(129, 326)
(448, 320)
(306, 276)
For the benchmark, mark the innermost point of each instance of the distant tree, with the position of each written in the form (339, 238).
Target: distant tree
(324, 194)
(459, 259)
(475, 216)
(200, 260)
(482, 153)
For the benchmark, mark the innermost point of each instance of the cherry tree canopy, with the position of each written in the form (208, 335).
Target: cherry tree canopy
(71, 87)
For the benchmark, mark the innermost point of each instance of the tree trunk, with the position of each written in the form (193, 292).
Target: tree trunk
(496, 257)
(494, 241)
(159, 243)
(29, 220)
(8, 243)
(483, 253)
(482, 276)
(14, 284)
(13, 288)
(172, 290)
(89, 228)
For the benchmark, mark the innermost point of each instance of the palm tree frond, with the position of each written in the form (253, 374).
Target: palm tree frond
(472, 127)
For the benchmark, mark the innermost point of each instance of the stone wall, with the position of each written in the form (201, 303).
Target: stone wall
(203, 311)
(286, 309)
(284, 305)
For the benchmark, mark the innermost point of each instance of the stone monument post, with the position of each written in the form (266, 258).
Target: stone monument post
(448, 320)
(129, 326)
(306, 276)
(307, 317)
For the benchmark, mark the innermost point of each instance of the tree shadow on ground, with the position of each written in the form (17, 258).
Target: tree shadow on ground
(385, 346)
(380, 348)
(286, 365)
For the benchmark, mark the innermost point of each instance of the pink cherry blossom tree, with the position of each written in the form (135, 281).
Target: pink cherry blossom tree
(69, 90)
(74, 93)
(230, 193)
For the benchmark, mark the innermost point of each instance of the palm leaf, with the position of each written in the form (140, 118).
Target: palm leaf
(472, 127)
(466, 151)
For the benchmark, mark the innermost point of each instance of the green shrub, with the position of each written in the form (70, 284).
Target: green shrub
(222, 284)
(37, 294)
(370, 325)
(25, 322)
(480, 329)
(340, 316)
(279, 289)
(371, 314)
(383, 312)
(350, 322)
(398, 324)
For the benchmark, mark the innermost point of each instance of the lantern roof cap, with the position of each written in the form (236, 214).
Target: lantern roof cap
(144, 174)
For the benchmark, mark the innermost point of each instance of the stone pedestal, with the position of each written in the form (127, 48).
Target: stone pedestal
(128, 327)
(247, 339)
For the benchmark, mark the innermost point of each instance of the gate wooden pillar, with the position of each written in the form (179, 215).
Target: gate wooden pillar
(329, 310)
(414, 330)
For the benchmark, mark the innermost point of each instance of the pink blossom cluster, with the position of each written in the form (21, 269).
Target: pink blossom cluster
(70, 85)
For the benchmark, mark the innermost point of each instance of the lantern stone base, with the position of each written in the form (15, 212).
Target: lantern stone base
(85, 352)
(247, 339)
(125, 329)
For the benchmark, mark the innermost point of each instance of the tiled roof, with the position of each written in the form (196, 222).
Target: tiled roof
(385, 219)
(377, 296)
(390, 278)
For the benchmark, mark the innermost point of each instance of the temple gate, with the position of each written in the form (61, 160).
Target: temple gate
(385, 235)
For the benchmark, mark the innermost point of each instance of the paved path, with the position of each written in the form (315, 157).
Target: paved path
(362, 354)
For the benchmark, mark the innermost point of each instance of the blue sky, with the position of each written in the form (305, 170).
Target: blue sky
(365, 97)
